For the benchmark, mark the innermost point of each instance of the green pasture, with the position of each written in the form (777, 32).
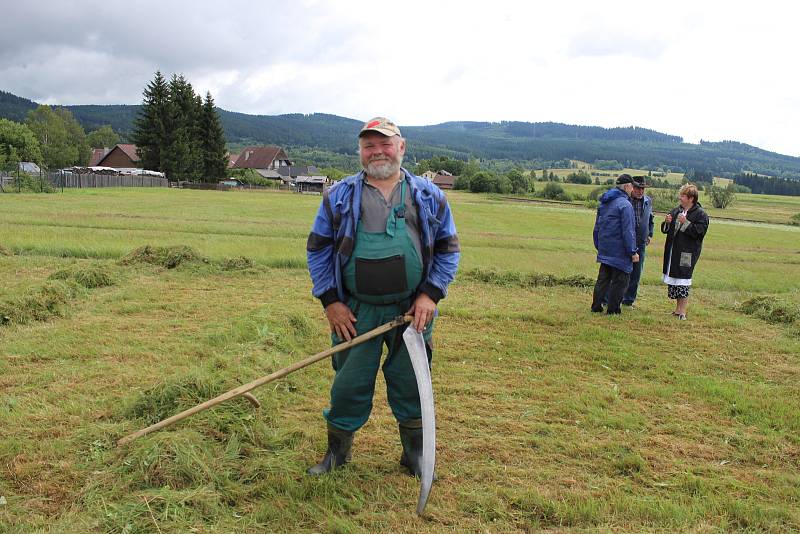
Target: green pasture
(746, 207)
(549, 418)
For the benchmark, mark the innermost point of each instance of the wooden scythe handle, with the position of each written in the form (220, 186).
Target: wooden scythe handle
(244, 389)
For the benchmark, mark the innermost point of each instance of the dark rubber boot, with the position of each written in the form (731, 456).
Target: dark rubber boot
(411, 438)
(338, 454)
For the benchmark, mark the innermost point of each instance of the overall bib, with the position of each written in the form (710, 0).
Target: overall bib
(381, 279)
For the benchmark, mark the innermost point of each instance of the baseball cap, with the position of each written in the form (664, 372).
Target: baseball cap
(382, 125)
(624, 179)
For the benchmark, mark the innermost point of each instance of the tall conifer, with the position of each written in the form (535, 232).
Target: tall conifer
(215, 158)
(150, 132)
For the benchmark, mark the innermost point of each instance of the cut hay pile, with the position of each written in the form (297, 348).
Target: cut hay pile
(88, 277)
(39, 304)
(167, 257)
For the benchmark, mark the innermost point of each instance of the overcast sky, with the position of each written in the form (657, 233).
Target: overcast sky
(701, 70)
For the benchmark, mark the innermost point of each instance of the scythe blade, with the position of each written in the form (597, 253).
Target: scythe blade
(419, 360)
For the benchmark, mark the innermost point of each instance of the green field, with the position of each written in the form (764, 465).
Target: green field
(549, 417)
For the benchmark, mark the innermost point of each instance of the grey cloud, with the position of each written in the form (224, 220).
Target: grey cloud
(105, 51)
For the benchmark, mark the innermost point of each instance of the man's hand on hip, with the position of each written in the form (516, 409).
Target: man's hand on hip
(423, 310)
(341, 320)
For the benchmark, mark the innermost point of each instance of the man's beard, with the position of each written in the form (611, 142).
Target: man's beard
(383, 168)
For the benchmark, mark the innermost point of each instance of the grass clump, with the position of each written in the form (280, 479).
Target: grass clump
(88, 277)
(771, 310)
(5, 252)
(518, 279)
(168, 398)
(167, 257)
(39, 304)
(795, 220)
(237, 264)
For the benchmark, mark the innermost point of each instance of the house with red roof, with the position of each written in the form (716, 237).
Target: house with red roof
(265, 160)
(122, 156)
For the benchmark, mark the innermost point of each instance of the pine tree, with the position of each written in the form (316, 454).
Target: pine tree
(183, 160)
(215, 159)
(150, 132)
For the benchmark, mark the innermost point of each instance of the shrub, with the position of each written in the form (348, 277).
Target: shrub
(462, 183)
(596, 193)
(722, 197)
(520, 184)
(795, 220)
(664, 199)
(580, 177)
(26, 183)
(502, 184)
(554, 191)
(482, 182)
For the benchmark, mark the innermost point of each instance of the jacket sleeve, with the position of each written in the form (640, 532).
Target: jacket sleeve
(628, 229)
(596, 231)
(697, 229)
(320, 257)
(665, 226)
(446, 255)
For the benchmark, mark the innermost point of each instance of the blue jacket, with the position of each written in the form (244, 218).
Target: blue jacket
(614, 230)
(646, 225)
(332, 237)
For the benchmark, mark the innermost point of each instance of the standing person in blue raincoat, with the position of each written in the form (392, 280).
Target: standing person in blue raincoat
(615, 241)
(383, 244)
(644, 225)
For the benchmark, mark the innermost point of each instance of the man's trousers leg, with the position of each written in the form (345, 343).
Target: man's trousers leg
(356, 369)
(601, 287)
(633, 282)
(401, 382)
(617, 287)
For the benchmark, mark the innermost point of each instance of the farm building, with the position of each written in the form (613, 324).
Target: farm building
(122, 156)
(265, 160)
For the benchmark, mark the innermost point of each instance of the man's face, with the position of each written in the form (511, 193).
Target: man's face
(381, 156)
(638, 192)
(627, 188)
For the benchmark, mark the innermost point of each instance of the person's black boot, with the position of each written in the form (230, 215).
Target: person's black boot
(339, 444)
(411, 438)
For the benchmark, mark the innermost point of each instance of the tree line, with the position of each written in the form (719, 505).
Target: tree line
(179, 133)
(768, 185)
(52, 138)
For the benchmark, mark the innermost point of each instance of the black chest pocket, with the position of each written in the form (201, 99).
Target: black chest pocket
(381, 276)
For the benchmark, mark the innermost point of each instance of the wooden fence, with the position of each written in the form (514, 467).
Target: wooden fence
(104, 180)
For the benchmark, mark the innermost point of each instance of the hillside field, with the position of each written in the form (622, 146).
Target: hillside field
(548, 417)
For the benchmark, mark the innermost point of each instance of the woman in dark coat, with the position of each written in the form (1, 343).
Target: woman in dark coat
(685, 226)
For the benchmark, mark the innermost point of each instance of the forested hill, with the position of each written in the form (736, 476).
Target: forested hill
(523, 142)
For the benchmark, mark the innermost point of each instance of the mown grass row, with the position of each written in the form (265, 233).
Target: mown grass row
(549, 417)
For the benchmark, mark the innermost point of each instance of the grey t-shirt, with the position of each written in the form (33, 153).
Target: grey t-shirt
(375, 210)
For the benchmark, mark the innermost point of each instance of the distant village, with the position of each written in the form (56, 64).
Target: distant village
(270, 162)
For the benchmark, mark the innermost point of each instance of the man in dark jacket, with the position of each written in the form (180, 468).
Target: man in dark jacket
(643, 216)
(615, 241)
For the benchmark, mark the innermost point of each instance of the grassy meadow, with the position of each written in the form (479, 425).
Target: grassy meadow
(549, 417)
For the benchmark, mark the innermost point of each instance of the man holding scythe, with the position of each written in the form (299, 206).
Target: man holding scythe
(383, 244)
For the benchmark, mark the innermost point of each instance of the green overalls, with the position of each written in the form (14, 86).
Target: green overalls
(381, 278)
